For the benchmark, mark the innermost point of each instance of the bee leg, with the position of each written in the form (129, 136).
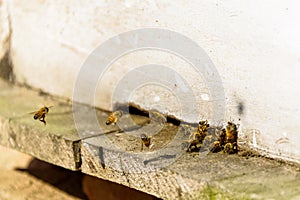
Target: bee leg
(42, 119)
(142, 147)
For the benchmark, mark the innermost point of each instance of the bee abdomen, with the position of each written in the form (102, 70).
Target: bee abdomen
(147, 144)
(146, 140)
(110, 120)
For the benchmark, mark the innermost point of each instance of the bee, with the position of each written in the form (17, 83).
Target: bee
(114, 117)
(41, 114)
(218, 145)
(230, 148)
(194, 142)
(231, 131)
(196, 138)
(203, 128)
(145, 141)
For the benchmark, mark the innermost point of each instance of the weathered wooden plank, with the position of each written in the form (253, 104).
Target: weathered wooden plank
(176, 174)
(164, 170)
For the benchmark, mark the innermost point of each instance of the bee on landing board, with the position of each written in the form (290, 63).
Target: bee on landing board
(196, 138)
(194, 141)
(231, 131)
(41, 114)
(146, 141)
(114, 117)
(203, 128)
(218, 145)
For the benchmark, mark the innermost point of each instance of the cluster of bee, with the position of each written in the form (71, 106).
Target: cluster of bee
(225, 140)
(203, 139)
(196, 138)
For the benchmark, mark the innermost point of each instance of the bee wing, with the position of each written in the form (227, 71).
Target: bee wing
(37, 114)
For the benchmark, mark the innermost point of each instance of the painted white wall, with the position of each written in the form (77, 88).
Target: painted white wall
(255, 46)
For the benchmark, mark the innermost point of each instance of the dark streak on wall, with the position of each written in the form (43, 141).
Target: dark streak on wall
(6, 69)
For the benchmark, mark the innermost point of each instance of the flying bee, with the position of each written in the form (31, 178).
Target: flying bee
(145, 141)
(114, 117)
(41, 114)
